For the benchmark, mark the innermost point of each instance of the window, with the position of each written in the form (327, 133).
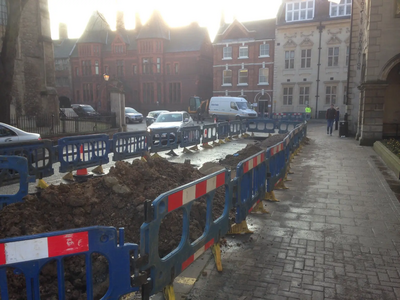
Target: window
(330, 95)
(227, 52)
(304, 97)
(341, 9)
(147, 66)
(158, 65)
(234, 106)
(96, 50)
(306, 58)
(3, 13)
(333, 56)
(288, 96)
(243, 52)
(243, 76)
(175, 92)
(176, 68)
(289, 59)
(263, 75)
(227, 77)
(96, 67)
(264, 50)
(86, 68)
(87, 92)
(347, 55)
(77, 71)
(134, 69)
(168, 66)
(119, 49)
(299, 11)
(120, 68)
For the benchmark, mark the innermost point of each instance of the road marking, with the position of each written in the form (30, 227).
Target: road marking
(185, 280)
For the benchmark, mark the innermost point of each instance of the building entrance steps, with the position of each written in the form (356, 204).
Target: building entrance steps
(333, 235)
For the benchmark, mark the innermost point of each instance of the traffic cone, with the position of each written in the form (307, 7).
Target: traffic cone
(82, 174)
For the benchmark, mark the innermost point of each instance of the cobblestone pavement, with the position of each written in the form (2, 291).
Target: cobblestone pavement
(333, 235)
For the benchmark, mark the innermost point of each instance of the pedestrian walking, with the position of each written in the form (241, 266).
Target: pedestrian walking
(337, 118)
(330, 118)
(308, 112)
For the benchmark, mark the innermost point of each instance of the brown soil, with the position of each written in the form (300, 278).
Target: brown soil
(115, 199)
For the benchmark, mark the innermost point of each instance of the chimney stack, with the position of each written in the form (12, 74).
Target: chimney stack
(120, 20)
(63, 31)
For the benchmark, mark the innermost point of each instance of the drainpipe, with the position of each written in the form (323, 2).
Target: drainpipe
(320, 28)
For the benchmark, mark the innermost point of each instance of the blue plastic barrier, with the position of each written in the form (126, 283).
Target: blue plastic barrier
(164, 270)
(95, 149)
(223, 130)
(261, 125)
(164, 139)
(277, 165)
(209, 133)
(40, 156)
(19, 167)
(286, 126)
(129, 145)
(235, 128)
(190, 136)
(250, 183)
(280, 116)
(29, 254)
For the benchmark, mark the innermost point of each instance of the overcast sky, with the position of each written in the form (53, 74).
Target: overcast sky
(76, 13)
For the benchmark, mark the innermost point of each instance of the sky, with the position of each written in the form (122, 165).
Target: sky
(76, 13)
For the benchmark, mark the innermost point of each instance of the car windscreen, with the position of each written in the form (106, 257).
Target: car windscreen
(242, 105)
(88, 108)
(169, 118)
(130, 110)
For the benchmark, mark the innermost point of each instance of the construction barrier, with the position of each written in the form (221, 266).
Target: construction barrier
(95, 147)
(164, 270)
(235, 128)
(223, 130)
(127, 145)
(209, 133)
(261, 125)
(286, 126)
(191, 136)
(30, 254)
(17, 166)
(164, 139)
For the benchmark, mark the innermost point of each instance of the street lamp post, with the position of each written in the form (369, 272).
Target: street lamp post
(108, 101)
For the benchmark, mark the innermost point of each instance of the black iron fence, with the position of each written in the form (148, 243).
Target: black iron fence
(48, 125)
(391, 130)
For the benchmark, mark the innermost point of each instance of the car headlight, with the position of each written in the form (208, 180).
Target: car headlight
(149, 130)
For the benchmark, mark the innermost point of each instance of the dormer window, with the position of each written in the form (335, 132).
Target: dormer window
(299, 10)
(341, 9)
(119, 49)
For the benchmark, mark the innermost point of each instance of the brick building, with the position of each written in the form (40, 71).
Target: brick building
(244, 61)
(34, 90)
(374, 78)
(156, 66)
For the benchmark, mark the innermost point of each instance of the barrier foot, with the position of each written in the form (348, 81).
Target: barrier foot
(228, 139)
(270, 196)
(194, 148)
(221, 142)
(290, 172)
(185, 150)
(216, 250)
(98, 170)
(285, 178)
(206, 146)
(143, 159)
(68, 177)
(169, 293)
(245, 135)
(281, 186)
(156, 155)
(172, 153)
(215, 143)
(239, 228)
(260, 208)
(42, 184)
(235, 136)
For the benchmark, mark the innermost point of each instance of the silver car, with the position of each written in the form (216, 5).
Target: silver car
(10, 134)
(132, 115)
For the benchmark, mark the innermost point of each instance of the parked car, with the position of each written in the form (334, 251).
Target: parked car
(169, 120)
(152, 116)
(84, 110)
(10, 134)
(132, 115)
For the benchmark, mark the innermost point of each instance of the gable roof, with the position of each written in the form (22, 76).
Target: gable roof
(188, 38)
(96, 30)
(155, 27)
(63, 48)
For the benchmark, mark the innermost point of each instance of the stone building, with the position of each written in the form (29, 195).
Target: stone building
(156, 66)
(311, 55)
(244, 61)
(374, 79)
(34, 90)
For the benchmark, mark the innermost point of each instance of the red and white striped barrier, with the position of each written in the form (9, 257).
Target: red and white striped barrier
(276, 149)
(27, 250)
(253, 162)
(189, 194)
(199, 252)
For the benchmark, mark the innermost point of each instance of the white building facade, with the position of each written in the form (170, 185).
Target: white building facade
(312, 56)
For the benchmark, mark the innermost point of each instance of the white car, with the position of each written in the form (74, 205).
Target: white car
(10, 135)
(170, 120)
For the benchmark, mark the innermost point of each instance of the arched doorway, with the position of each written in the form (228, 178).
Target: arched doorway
(265, 105)
(391, 116)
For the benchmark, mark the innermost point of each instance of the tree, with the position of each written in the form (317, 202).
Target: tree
(8, 55)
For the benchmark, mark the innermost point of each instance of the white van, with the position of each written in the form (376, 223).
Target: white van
(230, 108)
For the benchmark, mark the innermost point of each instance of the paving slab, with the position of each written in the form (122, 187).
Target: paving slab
(333, 235)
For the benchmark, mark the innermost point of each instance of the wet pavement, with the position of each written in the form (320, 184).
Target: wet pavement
(333, 235)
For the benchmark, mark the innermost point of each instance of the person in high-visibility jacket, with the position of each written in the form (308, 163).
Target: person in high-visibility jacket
(308, 112)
